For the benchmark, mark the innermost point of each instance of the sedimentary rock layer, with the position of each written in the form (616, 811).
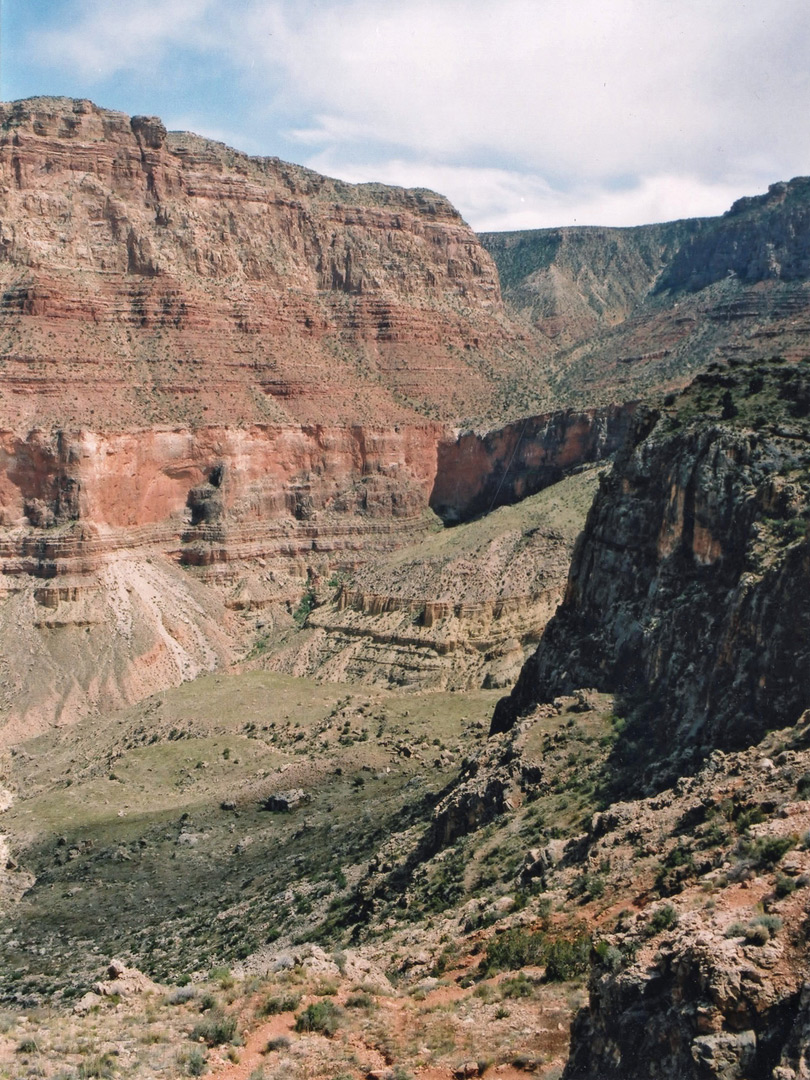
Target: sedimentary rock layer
(256, 515)
(174, 280)
(460, 609)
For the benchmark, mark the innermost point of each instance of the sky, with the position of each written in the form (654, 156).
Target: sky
(525, 113)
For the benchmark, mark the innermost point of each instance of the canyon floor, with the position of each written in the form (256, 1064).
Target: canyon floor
(428, 904)
(144, 835)
(267, 874)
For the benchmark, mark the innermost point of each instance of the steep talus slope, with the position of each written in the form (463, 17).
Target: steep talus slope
(686, 594)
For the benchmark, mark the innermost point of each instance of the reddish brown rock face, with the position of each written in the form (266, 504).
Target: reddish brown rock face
(175, 281)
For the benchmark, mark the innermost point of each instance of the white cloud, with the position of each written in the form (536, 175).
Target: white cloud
(628, 108)
(103, 39)
(497, 199)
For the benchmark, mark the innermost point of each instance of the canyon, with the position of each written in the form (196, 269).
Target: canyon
(397, 616)
(273, 370)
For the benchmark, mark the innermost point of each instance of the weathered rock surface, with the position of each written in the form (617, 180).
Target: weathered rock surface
(476, 473)
(711, 982)
(123, 981)
(687, 592)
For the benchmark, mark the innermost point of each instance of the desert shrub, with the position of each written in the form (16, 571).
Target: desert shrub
(27, 1046)
(281, 1042)
(768, 850)
(757, 935)
(320, 1016)
(663, 918)
(195, 1062)
(445, 959)
(516, 987)
(359, 1000)
(590, 885)
(280, 1003)
(679, 856)
(772, 923)
(223, 976)
(610, 957)
(181, 995)
(735, 929)
(513, 949)
(98, 1067)
(567, 958)
(713, 836)
(745, 818)
(216, 1029)
(784, 885)
(527, 1062)
(306, 605)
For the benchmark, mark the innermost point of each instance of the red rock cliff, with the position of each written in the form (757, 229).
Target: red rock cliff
(174, 280)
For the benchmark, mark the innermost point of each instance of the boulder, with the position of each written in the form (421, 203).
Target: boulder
(285, 801)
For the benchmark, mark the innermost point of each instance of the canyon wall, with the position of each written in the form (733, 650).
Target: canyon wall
(180, 282)
(478, 472)
(638, 311)
(686, 596)
(571, 283)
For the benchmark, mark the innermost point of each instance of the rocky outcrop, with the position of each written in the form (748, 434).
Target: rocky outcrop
(686, 595)
(761, 238)
(704, 976)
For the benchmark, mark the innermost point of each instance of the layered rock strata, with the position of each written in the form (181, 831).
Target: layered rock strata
(180, 282)
(256, 515)
(460, 609)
